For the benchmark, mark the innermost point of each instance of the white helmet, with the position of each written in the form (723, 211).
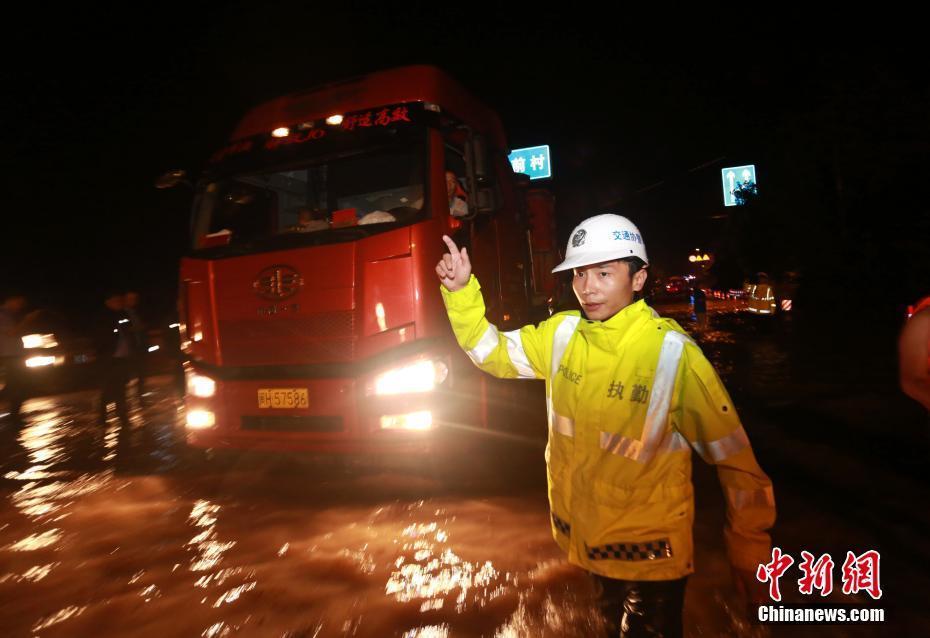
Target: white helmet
(602, 238)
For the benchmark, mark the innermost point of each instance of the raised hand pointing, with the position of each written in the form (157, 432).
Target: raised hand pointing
(454, 269)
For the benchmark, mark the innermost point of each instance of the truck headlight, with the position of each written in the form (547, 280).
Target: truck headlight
(200, 419)
(39, 341)
(422, 376)
(201, 386)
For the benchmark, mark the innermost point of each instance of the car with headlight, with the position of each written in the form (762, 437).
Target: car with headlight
(55, 357)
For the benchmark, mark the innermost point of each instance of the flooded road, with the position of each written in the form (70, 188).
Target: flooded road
(121, 532)
(118, 533)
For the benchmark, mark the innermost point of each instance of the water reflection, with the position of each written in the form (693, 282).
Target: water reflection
(430, 631)
(57, 617)
(209, 550)
(233, 594)
(428, 570)
(33, 574)
(36, 541)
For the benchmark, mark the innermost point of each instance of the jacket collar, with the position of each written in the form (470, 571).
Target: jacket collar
(621, 322)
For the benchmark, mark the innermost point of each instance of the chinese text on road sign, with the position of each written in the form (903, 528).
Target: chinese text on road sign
(534, 161)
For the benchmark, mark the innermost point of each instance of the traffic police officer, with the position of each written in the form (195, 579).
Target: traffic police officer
(628, 395)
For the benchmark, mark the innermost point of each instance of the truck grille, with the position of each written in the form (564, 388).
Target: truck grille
(317, 338)
(293, 423)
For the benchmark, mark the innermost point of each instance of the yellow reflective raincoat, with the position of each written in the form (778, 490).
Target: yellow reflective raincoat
(627, 400)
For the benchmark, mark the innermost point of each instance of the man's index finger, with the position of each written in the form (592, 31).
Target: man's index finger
(451, 244)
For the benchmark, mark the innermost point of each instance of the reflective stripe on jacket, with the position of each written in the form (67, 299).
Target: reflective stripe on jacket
(627, 399)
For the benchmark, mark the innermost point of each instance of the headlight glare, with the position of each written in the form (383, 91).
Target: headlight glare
(420, 421)
(201, 386)
(200, 419)
(39, 341)
(40, 362)
(421, 376)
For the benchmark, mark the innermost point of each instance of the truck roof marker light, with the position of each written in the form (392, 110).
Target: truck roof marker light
(281, 131)
(334, 120)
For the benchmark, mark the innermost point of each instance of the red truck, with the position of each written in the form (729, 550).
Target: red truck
(310, 310)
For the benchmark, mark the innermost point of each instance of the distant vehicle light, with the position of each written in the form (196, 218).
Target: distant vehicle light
(201, 386)
(39, 341)
(282, 131)
(200, 419)
(198, 336)
(153, 348)
(692, 258)
(174, 325)
(417, 421)
(334, 120)
(41, 362)
(422, 376)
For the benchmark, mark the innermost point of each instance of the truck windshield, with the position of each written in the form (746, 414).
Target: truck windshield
(327, 191)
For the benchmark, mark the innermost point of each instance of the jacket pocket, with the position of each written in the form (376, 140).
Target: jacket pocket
(637, 513)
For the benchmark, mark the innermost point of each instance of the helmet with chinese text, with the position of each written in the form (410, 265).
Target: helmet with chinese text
(603, 238)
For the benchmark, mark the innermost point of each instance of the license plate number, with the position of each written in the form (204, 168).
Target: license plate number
(283, 398)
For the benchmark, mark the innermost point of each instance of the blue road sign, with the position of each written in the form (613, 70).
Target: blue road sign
(534, 161)
(737, 178)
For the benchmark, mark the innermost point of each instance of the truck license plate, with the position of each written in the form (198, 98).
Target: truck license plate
(282, 398)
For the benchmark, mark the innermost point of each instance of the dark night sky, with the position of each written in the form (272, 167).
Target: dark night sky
(99, 104)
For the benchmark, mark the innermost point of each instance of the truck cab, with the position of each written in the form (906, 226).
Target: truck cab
(310, 310)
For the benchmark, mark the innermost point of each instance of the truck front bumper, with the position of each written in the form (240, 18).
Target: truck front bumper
(341, 416)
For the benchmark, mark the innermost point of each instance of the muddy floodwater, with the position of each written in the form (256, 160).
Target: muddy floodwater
(108, 533)
(112, 531)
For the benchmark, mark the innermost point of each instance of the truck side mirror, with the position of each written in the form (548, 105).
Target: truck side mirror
(479, 152)
(172, 179)
(486, 200)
